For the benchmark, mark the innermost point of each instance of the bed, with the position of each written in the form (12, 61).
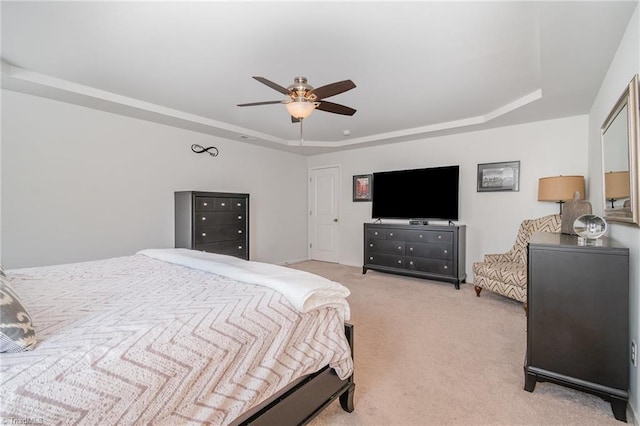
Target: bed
(178, 336)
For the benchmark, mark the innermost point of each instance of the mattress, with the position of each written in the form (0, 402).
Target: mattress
(137, 339)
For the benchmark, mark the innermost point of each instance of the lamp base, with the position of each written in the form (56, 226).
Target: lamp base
(572, 210)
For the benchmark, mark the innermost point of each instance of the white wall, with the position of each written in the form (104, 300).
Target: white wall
(80, 184)
(547, 148)
(625, 64)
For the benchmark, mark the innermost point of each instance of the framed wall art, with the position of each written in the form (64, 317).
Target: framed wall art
(362, 187)
(503, 176)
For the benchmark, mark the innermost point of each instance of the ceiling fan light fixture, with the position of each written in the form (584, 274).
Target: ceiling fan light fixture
(303, 98)
(300, 108)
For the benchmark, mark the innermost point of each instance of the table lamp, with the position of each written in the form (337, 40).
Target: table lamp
(560, 188)
(616, 186)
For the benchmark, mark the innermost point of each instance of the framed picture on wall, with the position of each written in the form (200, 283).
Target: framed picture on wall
(503, 176)
(362, 187)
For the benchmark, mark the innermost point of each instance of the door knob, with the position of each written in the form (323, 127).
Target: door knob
(335, 219)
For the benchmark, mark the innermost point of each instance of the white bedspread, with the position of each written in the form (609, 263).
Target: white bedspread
(136, 340)
(304, 290)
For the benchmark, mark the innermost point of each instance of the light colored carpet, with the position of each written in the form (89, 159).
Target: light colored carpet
(427, 354)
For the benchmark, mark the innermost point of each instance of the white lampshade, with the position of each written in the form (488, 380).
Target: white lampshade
(300, 108)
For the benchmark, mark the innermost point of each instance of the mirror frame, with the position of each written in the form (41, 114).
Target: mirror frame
(628, 98)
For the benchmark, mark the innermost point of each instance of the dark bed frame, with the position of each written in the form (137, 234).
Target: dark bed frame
(305, 398)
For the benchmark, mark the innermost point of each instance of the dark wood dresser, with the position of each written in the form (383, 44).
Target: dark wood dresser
(216, 222)
(578, 317)
(427, 251)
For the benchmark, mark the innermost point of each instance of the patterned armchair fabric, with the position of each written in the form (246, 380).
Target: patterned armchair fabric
(506, 273)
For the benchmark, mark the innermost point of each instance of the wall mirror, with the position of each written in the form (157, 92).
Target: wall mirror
(620, 160)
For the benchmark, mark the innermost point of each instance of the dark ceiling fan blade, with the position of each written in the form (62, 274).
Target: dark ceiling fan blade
(261, 103)
(333, 89)
(273, 85)
(335, 108)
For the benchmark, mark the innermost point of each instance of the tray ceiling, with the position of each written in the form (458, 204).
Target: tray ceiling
(421, 68)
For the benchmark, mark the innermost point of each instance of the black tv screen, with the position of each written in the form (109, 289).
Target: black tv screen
(430, 193)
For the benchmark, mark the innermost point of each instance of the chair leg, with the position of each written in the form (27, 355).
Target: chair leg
(478, 290)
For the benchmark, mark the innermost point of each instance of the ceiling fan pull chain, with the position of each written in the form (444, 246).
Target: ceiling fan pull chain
(301, 140)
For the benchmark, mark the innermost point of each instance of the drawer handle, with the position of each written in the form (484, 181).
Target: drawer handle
(370, 257)
(399, 261)
(410, 248)
(239, 231)
(205, 204)
(239, 204)
(446, 267)
(204, 218)
(391, 234)
(239, 247)
(370, 244)
(399, 247)
(420, 235)
(375, 233)
(204, 234)
(439, 237)
(223, 204)
(239, 217)
(411, 262)
(446, 251)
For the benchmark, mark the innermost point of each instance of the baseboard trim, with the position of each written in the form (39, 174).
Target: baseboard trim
(292, 261)
(632, 416)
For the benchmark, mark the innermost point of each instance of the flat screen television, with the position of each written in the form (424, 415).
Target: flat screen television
(430, 193)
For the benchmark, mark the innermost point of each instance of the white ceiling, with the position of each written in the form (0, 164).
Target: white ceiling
(422, 68)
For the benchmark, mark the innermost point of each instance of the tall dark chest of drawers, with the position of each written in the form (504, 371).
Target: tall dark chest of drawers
(428, 251)
(578, 317)
(216, 222)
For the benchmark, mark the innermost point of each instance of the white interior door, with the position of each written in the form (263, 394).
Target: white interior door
(324, 207)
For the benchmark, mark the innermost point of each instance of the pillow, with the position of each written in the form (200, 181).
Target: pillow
(16, 330)
(2, 270)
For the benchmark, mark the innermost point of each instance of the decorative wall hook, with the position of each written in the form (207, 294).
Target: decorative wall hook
(199, 149)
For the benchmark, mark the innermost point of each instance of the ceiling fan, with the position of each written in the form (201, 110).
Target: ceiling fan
(303, 99)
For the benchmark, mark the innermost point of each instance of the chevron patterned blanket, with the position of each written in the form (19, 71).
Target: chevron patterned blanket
(136, 340)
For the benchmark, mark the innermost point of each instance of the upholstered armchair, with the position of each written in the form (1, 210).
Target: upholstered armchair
(506, 273)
